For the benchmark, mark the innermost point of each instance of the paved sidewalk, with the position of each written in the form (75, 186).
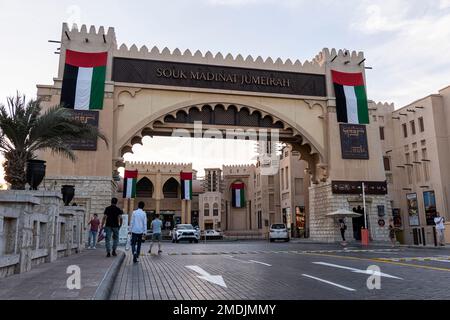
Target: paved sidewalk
(48, 281)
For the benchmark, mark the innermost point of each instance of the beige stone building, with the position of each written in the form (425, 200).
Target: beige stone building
(416, 152)
(158, 186)
(211, 201)
(294, 185)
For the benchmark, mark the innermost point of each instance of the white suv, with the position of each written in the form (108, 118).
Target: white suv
(278, 231)
(185, 232)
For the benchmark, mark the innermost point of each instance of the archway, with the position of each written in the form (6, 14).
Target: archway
(144, 188)
(171, 189)
(241, 120)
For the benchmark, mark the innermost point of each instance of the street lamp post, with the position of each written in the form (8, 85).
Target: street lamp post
(365, 231)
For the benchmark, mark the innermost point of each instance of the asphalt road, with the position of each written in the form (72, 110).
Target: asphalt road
(284, 271)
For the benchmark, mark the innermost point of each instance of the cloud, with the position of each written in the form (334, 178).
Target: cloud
(410, 53)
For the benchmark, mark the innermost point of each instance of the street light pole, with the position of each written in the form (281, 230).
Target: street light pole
(364, 205)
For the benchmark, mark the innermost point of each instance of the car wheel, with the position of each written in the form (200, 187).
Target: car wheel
(177, 241)
(287, 240)
(196, 241)
(190, 241)
(272, 240)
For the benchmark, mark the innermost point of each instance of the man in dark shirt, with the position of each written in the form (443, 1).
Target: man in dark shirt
(112, 221)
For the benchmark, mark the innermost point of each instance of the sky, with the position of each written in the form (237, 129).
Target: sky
(405, 41)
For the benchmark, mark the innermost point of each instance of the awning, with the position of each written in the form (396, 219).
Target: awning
(343, 213)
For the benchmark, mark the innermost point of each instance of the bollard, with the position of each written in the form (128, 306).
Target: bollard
(365, 237)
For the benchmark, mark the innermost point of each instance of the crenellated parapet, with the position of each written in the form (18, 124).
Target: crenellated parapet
(92, 39)
(162, 167)
(237, 170)
(339, 56)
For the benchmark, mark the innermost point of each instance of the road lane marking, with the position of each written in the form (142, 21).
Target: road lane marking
(380, 260)
(329, 282)
(448, 261)
(264, 264)
(206, 276)
(248, 262)
(369, 272)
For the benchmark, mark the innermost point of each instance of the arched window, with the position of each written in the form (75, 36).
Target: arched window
(170, 189)
(216, 210)
(206, 211)
(144, 188)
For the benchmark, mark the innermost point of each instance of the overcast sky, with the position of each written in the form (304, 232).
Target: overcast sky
(407, 42)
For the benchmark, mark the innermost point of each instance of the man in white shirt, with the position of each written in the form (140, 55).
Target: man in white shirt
(440, 228)
(138, 229)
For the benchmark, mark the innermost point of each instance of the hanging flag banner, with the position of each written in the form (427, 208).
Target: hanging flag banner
(238, 195)
(186, 185)
(129, 184)
(351, 98)
(84, 78)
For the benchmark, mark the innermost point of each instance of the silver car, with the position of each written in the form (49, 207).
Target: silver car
(278, 231)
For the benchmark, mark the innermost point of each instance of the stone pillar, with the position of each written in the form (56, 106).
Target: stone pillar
(183, 211)
(247, 215)
(51, 205)
(188, 212)
(158, 206)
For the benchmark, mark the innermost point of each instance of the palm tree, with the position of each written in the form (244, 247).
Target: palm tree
(25, 129)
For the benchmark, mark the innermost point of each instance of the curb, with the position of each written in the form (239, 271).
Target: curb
(105, 288)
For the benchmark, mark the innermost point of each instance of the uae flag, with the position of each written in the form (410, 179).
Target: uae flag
(129, 184)
(83, 85)
(238, 196)
(186, 185)
(351, 98)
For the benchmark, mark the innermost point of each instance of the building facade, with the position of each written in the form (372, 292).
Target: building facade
(416, 155)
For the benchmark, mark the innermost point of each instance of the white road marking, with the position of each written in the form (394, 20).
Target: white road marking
(264, 264)
(206, 276)
(248, 262)
(370, 272)
(448, 261)
(329, 282)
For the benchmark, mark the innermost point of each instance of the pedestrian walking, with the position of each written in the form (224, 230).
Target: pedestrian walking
(112, 222)
(440, 228)
(138, 229)
(93, 231)
(157, 236)
(392, 232)
(342, 228)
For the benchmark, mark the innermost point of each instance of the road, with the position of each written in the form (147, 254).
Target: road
(284, 271)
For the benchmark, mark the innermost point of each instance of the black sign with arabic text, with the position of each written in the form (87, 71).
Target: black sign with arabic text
(92, 118)
(354, 142)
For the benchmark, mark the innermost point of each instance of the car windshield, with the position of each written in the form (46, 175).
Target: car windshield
(185, 227)
(278, 226)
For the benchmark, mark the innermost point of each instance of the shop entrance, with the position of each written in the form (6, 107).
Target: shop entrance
(358, 223)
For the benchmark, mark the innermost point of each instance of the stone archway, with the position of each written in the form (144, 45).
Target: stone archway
(225, 116)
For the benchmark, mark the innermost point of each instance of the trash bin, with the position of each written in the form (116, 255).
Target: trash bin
(365, 237)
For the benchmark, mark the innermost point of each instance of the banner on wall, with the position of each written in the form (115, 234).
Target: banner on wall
(413, 209)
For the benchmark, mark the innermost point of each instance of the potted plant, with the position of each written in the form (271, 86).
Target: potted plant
(68, 192)
(35, 173)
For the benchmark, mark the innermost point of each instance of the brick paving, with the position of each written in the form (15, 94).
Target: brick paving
(48, 281)
(259, 271)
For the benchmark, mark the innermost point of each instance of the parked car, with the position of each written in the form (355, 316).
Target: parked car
(185, 232)
(212, 234)
(278, 231)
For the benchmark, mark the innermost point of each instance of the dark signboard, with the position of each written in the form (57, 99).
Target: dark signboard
(92, 118)
(354, 142)
(217, 77)
(397, 218)
(429, 201)
(355, 187)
